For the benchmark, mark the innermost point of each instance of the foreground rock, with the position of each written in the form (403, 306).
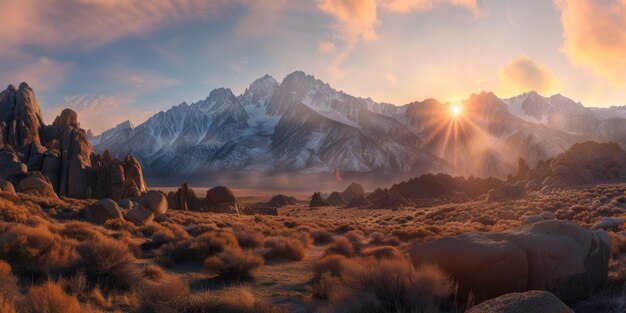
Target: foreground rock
(521, 302)
(609, 223)
(139, 215)
(38, 185)
(6, 186)
(559, 256)
(102, 211)
(154, 201)
(221, 200)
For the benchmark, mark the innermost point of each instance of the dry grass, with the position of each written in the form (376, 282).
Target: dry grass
(281, 248)
(233, 264)
(49, 297)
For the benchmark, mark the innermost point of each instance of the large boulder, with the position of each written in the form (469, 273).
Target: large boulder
(10, 165)
(38, 185)
(559, 256)
(506, 192)
(535, 301)
(279, 201)
(353, 191)
(6, 186)
(20, 112)
(609, 223)
(102, 211)
(154, 201)
(139, 215)
(221, 200)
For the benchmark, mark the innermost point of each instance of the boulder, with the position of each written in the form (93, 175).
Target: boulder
(506, 192)
(317, 200)
(154, 201)
(102, 211)
(535, 301)
(559, 256)
(609, 223)
(125, 204)
(139, 215)
(221, 200)
(10, 165)
(37, 184)
(279, 201)
(353, 191)
(6, 186)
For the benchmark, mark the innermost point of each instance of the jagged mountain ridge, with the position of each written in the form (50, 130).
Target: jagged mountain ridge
(304, 125)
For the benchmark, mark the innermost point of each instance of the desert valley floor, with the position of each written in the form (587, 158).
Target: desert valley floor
(320, 259)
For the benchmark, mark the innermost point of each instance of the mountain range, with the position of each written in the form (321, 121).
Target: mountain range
(302, 125)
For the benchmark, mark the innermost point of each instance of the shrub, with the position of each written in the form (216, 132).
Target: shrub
(341, 245)
(153, 272)
(8, 282)
(382, 252)
(49, 297)
(109, 262)
(78, 230)
(212, 243)
(233, 264)
(284, 248)
(321, 236)
(35, 249)
(247, 237)
(391, 286)
(157, 296)
(6, 305)
(237, 300)
(332, 264)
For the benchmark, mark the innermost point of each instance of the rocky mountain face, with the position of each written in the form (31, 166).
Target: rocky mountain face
(37, 158)
(303, 125)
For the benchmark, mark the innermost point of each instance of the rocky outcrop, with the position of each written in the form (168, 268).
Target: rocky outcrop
(60, 152)
(506, 192)
(184, 199)
(317, 200)
(518, 302)
(102, 211)
(353, 191)
(558, 256)
(582, 163)
(387, 199)
(336, 199)
(221, 200)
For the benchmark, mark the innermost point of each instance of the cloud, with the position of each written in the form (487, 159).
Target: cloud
(326, 47)
(41, 73)
(523, 74)
(85, 24)
(392, 78)
(100, 113)
(594, 34)
(355, 18)
(406, 6)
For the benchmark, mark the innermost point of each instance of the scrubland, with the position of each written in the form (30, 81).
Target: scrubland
(326, 259)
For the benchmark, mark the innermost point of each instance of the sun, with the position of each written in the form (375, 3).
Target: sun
(455, 110)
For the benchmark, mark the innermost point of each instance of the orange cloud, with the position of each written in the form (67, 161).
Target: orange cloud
(326, 47)
(594, 35)
(406, 6)
(356, 18)
(523, 74)
(40, 73)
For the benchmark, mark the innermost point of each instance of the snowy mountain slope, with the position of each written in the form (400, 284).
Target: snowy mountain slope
(304, 125)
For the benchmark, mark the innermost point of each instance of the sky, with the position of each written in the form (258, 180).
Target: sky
(113, 60)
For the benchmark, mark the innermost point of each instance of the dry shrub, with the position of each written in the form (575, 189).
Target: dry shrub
(160, 296)
(284, 248)
(382, 252)
(236, 300)
(618, 244)
(8, 282)
(109, 262)
(233, 264)
(341, 245)
(6, 305)
(49, 297)
(380, 239)
(122, 225)
(332, 264)
(321, 236)
(391, 286)
(35, 249)
(247, 236)
(153, 272)
(78, 230)
(212, 243)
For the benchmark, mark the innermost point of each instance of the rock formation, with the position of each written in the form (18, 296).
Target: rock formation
(353, 191)
(221, 200)
(336, 199)
(531, 301)
(184, 199)
(317, 200)
(60, 152)
(558, 256)
(279, 201)
(102, 211)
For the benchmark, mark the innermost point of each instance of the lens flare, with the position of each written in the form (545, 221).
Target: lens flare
(456, 111)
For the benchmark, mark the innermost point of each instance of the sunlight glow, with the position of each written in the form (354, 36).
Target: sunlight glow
(455, 111)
